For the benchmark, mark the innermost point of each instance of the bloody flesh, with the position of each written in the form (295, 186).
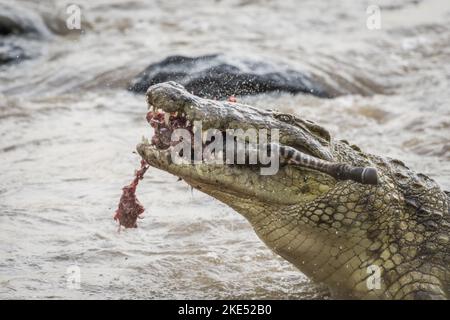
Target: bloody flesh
(130, 208)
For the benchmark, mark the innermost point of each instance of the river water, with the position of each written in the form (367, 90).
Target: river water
(68, 130)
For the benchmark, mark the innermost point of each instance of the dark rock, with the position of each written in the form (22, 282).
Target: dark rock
(19, 21)
(10, 53)
(217, 76)
(20, 28)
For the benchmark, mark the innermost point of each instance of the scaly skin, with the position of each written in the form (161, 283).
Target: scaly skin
(330, 230)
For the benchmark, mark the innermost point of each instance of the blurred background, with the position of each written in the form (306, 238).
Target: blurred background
(68, 128)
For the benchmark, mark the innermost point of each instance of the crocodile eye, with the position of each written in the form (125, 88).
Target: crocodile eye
(285, 117)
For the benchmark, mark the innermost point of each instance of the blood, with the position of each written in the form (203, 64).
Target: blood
(130, 209)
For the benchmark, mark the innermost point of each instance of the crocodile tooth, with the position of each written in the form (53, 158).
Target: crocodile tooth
(188, 123)
(166, 118)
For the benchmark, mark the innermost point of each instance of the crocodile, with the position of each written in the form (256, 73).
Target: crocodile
(385, 240)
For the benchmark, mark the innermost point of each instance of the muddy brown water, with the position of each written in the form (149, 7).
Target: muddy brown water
(68, 130)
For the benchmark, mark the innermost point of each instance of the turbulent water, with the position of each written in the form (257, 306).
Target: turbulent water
(68, 129)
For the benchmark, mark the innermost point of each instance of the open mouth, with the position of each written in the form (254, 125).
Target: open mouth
(165, 123)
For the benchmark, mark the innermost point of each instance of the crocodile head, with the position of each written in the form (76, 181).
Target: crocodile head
(360, 240)
(233, 184)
